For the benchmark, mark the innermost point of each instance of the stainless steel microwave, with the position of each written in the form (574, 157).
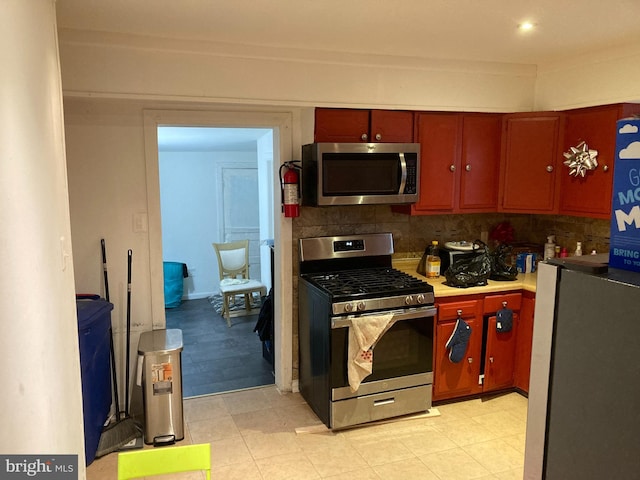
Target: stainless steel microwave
(360, 173)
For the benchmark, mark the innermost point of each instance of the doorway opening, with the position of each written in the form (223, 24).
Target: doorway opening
(216, 186)
(281, 123)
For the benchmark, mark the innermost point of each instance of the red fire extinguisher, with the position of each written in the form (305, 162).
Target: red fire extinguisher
(290, 182)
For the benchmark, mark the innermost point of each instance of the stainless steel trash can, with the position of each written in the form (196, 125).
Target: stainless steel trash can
(160, 354)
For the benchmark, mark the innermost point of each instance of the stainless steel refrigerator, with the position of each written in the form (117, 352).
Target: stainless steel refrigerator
(584, 397)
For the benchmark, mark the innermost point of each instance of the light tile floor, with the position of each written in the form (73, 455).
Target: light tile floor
(253, 436)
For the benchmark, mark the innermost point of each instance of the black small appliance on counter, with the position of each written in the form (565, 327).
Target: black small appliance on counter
(452, 252)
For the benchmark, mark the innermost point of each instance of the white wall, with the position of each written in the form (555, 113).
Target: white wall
(603, 77)
(189, 205)
(141, 67)
(107, 163)
(266, 201)
(41, 399)
(107, 189)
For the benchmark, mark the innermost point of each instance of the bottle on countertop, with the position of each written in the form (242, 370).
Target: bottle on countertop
(550, 247)
(433, 261)
(564, 253)
(557, 251)
(578, 251)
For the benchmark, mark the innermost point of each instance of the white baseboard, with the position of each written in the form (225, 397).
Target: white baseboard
(198, 296)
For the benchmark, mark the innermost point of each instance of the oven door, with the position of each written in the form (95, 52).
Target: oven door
(402, 357)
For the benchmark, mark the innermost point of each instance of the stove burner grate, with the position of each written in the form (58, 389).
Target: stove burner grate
(369, 281)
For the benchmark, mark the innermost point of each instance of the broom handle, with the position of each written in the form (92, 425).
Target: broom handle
(104, 269)
(129, 259)
(114, 375)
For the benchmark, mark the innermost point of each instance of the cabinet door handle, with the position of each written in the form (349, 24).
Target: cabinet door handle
(470, 359)
(378, 136)
(468, 167)
(605, 168)
(364, 137)
(491, 359)
(452, 168)
(549, 168)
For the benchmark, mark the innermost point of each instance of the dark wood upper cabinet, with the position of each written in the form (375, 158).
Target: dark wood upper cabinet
(530, 163)
(438, 135)
(480, 162)
(459, 163)
(363, 126)
(591, 195)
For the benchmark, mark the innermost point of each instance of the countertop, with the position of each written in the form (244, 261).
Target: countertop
(524, 281)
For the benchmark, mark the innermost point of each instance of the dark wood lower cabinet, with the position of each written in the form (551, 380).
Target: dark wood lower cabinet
(457, 379)
(493, 360)
(500, 356)
(523, 343)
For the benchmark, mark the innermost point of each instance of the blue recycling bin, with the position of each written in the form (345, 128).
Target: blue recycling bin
(94, 337)
(174, 273)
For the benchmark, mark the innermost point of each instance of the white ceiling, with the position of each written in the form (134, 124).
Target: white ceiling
(205, 139)
(482, 30)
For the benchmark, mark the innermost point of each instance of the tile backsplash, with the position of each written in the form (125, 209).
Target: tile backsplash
(412, 234)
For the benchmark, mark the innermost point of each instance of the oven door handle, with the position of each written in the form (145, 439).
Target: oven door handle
(398, 315)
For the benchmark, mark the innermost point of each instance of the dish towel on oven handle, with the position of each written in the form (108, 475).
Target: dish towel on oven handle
(364, 332)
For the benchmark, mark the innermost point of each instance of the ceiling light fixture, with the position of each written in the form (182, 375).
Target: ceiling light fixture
(526, 26)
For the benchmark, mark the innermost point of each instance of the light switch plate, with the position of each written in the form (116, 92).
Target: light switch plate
(140, 222)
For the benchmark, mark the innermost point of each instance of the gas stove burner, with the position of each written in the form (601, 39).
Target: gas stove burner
(379, 282)
(355, 274)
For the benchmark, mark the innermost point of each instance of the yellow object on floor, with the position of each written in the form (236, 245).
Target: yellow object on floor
(164, 460)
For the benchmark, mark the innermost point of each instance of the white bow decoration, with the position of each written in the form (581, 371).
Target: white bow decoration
(579, 159)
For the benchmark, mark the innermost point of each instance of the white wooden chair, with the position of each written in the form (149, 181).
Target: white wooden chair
(233, 264)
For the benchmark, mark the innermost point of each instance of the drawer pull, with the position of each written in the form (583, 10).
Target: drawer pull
(386, 401)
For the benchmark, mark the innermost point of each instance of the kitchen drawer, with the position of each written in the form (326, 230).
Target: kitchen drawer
(449, 311)
(369, 408)
(493, 303)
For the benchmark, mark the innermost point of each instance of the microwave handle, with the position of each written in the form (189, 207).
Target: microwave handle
(403, 170)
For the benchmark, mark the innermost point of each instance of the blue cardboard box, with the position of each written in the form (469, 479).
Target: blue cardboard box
(526, 262)
(624, 250)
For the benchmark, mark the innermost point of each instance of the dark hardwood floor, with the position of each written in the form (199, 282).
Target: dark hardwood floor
(217, 358)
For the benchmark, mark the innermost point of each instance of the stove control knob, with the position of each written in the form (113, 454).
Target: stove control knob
(408, 300)
(420, 298)
(361, 306)
(348, 307)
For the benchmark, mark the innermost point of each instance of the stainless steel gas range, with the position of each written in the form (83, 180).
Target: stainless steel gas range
(347, 284)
